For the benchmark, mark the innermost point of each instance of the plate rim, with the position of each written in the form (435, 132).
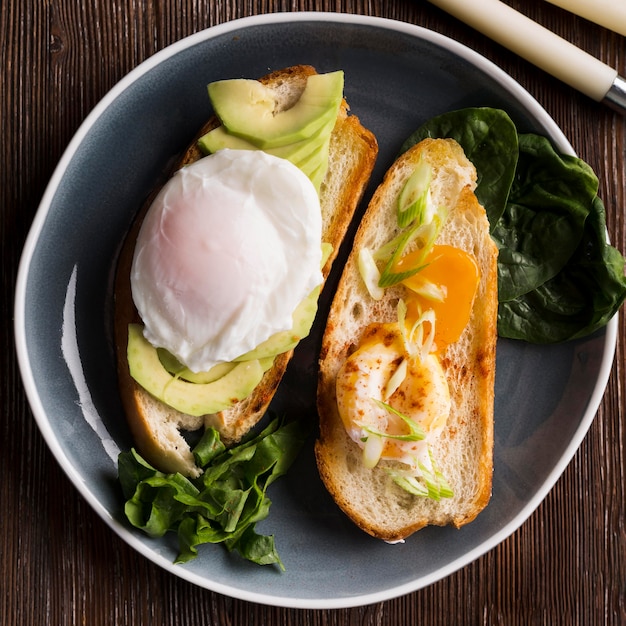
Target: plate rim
(36, 405)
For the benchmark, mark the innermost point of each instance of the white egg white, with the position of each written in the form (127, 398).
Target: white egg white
(228, 249)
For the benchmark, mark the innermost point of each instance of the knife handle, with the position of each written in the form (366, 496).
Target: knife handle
(608, 13)
(535, 43)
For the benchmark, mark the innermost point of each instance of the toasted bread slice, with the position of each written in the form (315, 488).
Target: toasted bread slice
(156, 427)
(464, 449)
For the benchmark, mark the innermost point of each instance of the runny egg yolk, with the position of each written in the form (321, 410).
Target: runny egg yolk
(455, 275)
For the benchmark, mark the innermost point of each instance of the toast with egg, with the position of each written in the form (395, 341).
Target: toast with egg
(460, 451)
(156, 427)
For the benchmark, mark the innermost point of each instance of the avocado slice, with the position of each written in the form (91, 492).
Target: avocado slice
(219, 138)
(310, 154)
(191, 398)
(317, 175)
(246, 109)
(176, 368)
(285, 340)
(315, 165)
(303, 318)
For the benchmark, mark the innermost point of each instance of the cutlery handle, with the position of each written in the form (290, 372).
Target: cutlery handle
(535, 43)
(608, 13)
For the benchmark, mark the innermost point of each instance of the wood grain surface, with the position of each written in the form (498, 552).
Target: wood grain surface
(61, 565)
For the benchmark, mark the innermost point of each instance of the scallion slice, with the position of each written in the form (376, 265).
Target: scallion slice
(430, 291)
(426, 234)
(414, 196)
(396, 379)
(415, 430)
(415, 341)
(424, 482)
(373, 449)
(370, 273)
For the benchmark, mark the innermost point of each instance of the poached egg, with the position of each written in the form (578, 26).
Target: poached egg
(228, 249)
(370, 376)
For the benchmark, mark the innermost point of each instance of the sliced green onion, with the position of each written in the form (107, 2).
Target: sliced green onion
(430, 291)
(416, 335)
(385, 251)
(414, 340)
(401, 310)
(413, 198)
(372, 451)
(415, 430)
(426, 482)
(408, 344)
(396, 379)
(427, 233)
(410, 484)
(437, 485)
(370, 273)
(388, 277)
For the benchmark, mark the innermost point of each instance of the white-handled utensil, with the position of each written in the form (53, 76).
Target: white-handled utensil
(608, 13)
(542, 47)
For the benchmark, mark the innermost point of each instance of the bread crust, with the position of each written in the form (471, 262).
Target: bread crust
(464, 450)
(154, 426)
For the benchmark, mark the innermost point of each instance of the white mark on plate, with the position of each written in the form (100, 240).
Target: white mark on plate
(69, 347)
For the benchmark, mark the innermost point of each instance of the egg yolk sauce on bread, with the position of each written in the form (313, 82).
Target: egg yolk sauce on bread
(392, 391)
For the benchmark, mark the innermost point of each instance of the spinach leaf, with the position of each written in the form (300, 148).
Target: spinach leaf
(224, 504)
(579, 300)
(209, 446)
(558, 278)
(543, 224)
(489, 139)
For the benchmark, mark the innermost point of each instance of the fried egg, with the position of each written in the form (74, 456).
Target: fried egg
(228, 249)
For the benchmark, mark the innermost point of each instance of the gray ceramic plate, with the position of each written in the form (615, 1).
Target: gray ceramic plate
(397, 76)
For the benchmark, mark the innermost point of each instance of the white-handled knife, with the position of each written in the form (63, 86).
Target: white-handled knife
(608, 13)
(542, 47)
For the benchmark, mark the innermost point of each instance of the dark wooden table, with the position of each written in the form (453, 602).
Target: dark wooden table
(61, 565)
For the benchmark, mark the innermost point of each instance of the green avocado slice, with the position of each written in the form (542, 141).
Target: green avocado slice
(176, 368)
(285, 340)
(219, 138)
(310, 155)
(246, 108)
(191, 398)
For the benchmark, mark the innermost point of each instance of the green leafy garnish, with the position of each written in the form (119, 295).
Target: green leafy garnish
(549, 202)
(582, 297)
(209, 447)
(224, 504)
